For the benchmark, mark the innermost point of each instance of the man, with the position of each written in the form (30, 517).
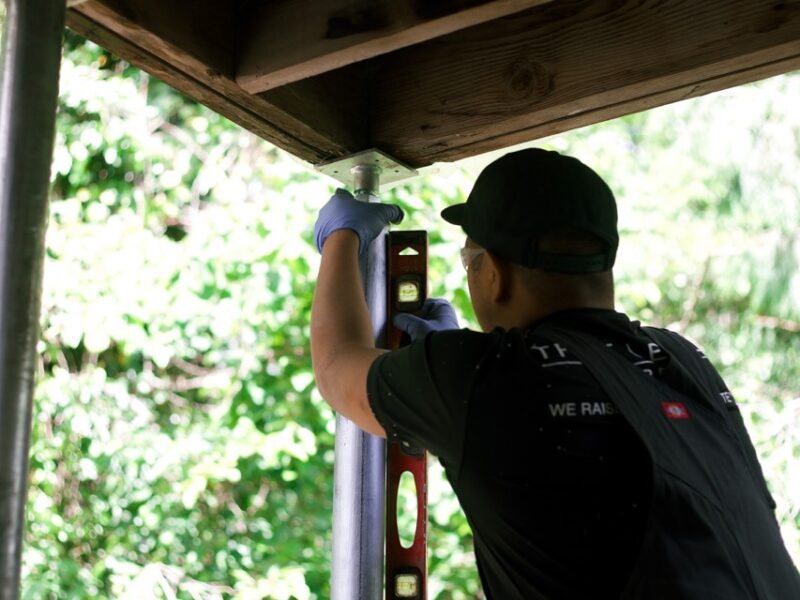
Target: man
(594, 458)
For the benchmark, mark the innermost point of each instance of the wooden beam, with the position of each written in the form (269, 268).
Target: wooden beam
(283, 41)
(189, 44)
(568, 64)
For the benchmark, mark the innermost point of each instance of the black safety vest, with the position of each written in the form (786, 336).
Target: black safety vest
(711, 532)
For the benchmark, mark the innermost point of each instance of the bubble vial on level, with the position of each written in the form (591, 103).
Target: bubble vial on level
(406, 586)
(408, 291)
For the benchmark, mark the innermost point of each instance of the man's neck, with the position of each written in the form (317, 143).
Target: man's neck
(530, 307)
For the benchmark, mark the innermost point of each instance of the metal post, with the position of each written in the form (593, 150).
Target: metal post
(31, 56)
(359, 478)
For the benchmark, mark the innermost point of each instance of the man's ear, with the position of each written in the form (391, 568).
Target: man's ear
(499, 277)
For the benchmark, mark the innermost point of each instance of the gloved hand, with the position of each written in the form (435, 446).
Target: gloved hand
(436, 315)
(366, 219)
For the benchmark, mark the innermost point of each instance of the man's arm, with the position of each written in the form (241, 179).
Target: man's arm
(342, 341)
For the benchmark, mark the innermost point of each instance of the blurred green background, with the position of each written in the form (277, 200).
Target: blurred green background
(180, 448)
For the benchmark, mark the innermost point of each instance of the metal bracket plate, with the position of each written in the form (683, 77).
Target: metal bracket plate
(392, 170)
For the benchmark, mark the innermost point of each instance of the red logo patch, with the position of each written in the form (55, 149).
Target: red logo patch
(675, 410)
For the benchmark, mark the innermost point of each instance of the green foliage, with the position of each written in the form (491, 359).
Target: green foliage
(180, 448)
(175, 412)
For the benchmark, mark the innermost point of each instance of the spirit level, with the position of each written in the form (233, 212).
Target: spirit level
(407, 288)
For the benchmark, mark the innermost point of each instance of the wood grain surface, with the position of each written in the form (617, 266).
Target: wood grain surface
(542, 67)
(284, 41)
(568, 64)
(188, 44)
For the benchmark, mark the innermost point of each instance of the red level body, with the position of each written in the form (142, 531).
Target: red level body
(406, 568)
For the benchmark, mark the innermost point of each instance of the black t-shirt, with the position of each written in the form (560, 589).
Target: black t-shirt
(554, 482)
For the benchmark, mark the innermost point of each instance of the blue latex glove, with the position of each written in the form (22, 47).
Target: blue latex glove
(436, 315)
(366, 219)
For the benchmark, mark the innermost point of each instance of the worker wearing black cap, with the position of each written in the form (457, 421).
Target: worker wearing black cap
(593, 457)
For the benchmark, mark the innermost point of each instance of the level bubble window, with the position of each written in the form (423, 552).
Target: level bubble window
(408, 291)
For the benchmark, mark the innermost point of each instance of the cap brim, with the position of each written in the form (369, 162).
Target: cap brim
(454, 214)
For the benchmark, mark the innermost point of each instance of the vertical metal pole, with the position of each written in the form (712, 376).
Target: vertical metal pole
(359, 477)
(31, 57)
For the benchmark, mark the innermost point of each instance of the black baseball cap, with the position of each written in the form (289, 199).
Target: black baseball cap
(524, 195)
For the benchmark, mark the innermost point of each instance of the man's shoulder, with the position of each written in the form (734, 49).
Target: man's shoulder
(439, 350)
(460, 348)
(466, 338)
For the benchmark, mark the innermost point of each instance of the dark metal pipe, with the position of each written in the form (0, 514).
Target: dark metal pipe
(31, 58)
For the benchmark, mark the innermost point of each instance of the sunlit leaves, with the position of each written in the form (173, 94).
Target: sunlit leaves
(178, 284)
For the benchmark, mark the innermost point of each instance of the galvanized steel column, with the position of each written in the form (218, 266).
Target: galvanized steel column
(359, 477)
(31, 56)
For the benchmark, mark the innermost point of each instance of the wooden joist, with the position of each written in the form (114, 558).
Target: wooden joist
(284, 41)
(190, 44)
(569, 64)
(327, 78)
